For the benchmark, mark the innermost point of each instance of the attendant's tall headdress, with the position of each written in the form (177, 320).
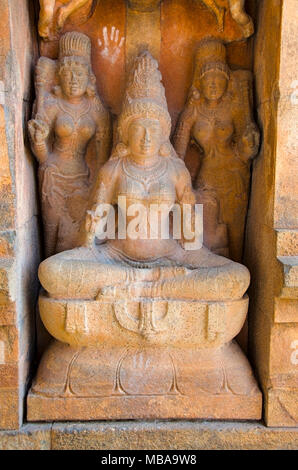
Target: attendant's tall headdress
(75, 44)
(211, 55)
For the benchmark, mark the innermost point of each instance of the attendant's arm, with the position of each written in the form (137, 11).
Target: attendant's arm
(183, 130)
(40, 129)
(247, 136)
(103, 138)
(39, 132)
(248, 144)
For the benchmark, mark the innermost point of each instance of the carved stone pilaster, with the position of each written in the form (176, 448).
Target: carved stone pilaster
(143, 5)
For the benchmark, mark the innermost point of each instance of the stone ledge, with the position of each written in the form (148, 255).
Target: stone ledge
(290, 277)
(150, 435)
(29, 437)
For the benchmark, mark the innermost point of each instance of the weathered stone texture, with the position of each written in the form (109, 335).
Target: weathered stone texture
(155, 435)
(271, 244)
(19, 251)
(29, 437)
(171, 436)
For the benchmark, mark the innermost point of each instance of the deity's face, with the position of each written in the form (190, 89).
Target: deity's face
(213, 85)
(144, 137)
(74, 79)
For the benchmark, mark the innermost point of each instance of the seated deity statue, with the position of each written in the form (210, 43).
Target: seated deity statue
(143, 315)
(144, 170)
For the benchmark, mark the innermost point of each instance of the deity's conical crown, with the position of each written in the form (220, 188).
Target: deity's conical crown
(211, 55)
(145, 95)
(75, 44)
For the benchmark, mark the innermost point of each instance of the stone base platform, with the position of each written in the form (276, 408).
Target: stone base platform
(143, 360)
(150, 435)
(217, 407)
(143, 383)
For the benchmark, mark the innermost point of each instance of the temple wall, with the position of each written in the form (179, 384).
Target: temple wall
(19, 245)
(271, 244)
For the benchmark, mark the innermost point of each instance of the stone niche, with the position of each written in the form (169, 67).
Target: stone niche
(194, 370)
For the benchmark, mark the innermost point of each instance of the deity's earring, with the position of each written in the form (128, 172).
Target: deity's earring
(57, 91)
(194, 96)
(91, 88)
(165, 150)
(121, 150)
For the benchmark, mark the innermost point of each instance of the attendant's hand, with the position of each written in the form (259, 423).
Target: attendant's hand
(38, 130)
(249, 142)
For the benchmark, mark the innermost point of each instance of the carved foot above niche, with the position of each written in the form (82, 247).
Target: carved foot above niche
(55, 13)
(237, 11)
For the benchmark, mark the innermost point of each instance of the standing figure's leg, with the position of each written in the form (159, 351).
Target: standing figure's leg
(237, 11)
(68, 9)
(46, 17)
(218, 11)
(241, 17)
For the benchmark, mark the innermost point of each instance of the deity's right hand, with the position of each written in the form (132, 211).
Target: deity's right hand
(88, 230)
(39, 131)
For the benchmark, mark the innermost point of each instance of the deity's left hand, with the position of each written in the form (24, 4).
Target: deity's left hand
(249, 142)
(88, 229)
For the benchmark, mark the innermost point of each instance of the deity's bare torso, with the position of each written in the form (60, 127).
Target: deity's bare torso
(73, 125)
(157, 188)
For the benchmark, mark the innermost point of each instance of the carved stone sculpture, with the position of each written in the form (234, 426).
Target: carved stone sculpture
(218, 119)
(238, 14)
(143, 325)
(68, 114)
(241, 17)
(50, 23)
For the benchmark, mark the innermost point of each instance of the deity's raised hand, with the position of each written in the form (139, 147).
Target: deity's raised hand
(39, 130)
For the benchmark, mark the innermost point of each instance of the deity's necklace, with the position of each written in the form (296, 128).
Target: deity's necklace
(75, 111)
(142, 173)
(211, 113)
